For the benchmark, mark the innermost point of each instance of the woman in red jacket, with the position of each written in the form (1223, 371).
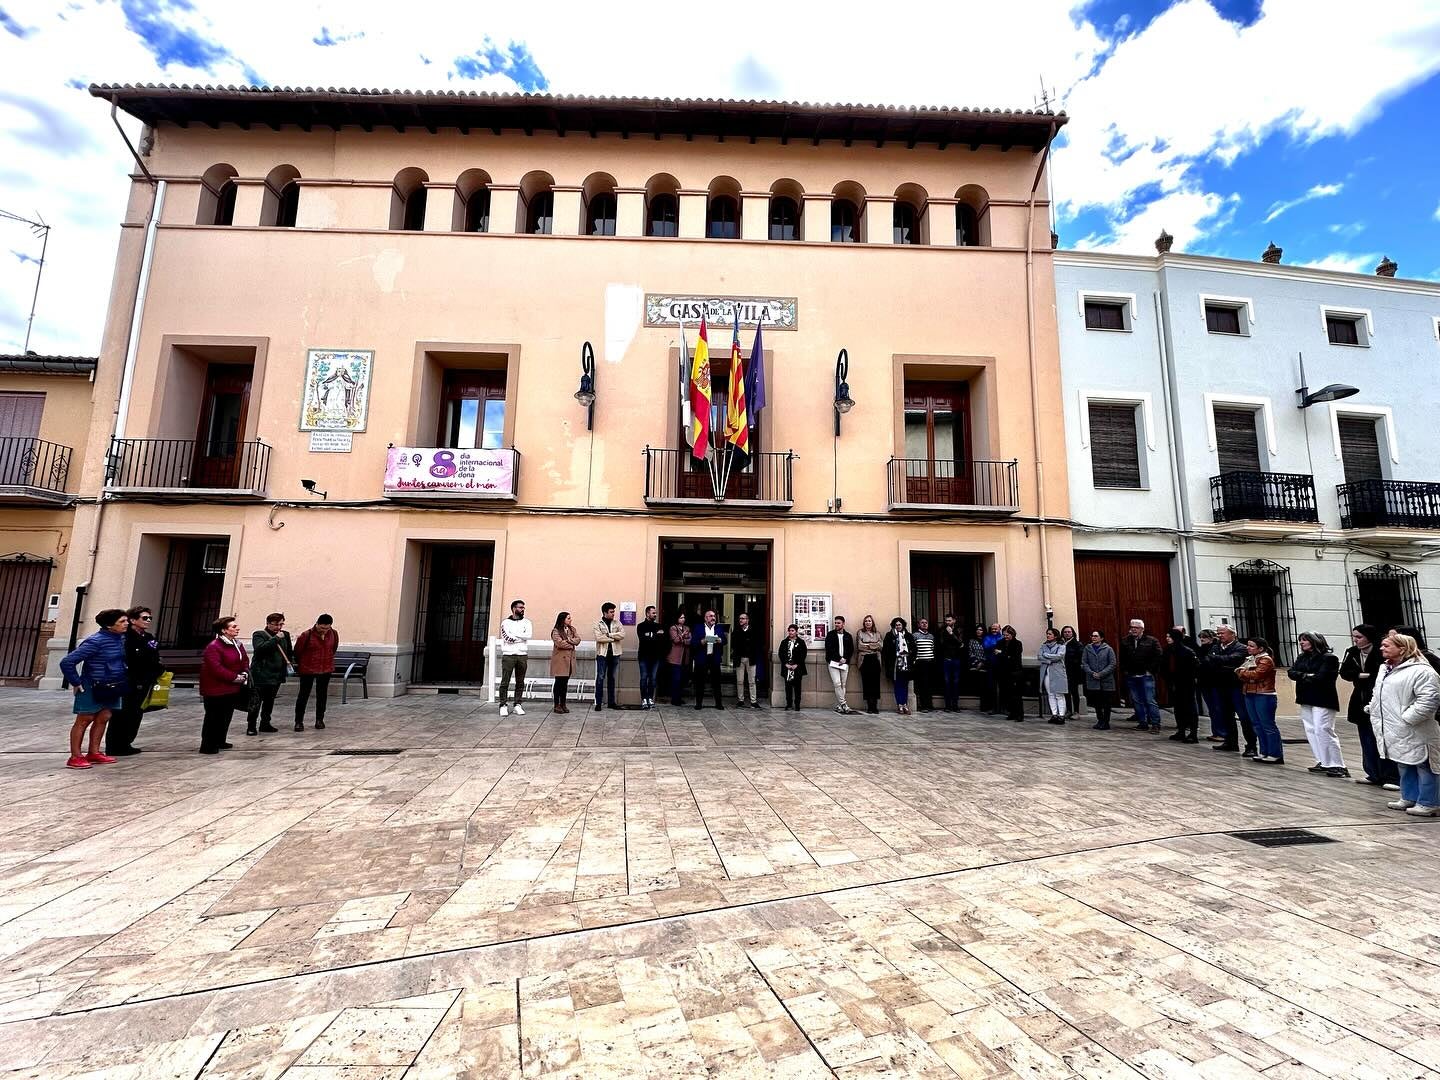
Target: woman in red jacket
(314, 661)
(224, 676)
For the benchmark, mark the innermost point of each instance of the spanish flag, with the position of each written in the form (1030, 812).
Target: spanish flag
(699, 434)
(737, 414)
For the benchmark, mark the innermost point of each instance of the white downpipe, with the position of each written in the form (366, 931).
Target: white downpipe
(1177, 482)
(137, 313)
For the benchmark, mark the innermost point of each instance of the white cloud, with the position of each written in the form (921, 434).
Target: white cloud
(1437, 212)
(1318, 191)
(1193, 89)
(1346, 229)
(1187, 216)
(1355, 264)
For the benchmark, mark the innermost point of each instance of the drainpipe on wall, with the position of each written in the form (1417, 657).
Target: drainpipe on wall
(1035, 382)
(1188, 588)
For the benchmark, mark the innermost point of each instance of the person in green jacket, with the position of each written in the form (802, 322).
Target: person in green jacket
(271, 658)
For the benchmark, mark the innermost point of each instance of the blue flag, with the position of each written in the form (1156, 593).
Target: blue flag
(755, 379)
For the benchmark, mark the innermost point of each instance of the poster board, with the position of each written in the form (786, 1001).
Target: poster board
(812, 612)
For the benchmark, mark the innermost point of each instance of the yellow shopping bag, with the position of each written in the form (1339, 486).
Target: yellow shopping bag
(159, 695)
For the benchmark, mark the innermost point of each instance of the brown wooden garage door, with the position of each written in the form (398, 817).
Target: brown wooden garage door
(1113, 589)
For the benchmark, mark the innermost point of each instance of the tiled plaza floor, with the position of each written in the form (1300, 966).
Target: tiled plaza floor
(676, 893)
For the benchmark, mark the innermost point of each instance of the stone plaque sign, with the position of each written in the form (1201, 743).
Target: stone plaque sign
(771, 312)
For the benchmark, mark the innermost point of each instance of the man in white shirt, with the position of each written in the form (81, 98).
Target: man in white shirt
(515, 634)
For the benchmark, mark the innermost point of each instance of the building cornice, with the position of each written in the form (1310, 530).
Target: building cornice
(1217, 265)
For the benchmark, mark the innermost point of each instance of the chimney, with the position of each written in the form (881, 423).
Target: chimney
(1054, 240)
(1164, 242)
(1272, 253)
(1387, 267)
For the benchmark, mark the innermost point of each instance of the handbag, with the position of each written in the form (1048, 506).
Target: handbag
(159, 695)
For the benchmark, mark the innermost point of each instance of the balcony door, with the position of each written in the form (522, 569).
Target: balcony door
(472, 410)
(694, 478)
(937, 444)
(1360, 449)
(19, 428)
(221, 432)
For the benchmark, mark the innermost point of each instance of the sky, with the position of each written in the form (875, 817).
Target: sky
(1228, 123)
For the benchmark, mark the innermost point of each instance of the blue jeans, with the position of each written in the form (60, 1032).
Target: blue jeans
(951, 671)
(902, 689)
(1378, 770)
(1261, 708)
(1419, 785)
(605, 667)
(649, 675)
(1216, 706)
(677, 682)
(1141, 689)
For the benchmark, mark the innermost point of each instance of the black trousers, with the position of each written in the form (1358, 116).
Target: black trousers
(1187, 719)
(322, 691)
(792, 691)
(712, 673)
(218, 712)
(262, 704)
(1102, 701)
(125, 722)
(1011, 687)
(924, 685)
(1076, 678)
(562, 687)
(870, 680)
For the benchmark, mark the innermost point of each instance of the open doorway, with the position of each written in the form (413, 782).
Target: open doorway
(452, 616)
(728, 577)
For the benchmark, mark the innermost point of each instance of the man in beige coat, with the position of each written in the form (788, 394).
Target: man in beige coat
(609, 633)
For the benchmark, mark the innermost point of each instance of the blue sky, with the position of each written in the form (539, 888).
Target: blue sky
(1230, 123)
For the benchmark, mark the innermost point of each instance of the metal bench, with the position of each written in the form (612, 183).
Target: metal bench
(183, 665)
(349, 664)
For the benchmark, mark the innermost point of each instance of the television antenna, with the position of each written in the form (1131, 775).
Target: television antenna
(1043, 101)
(40, 229)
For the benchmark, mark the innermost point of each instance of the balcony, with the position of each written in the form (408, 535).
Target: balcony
(674, 478)
(192, 468)
(980, 488)
(1380, 507)
(33, 472)
(1263, 503)
(428, 473)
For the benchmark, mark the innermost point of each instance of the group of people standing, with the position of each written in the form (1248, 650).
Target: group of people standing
(114, 671)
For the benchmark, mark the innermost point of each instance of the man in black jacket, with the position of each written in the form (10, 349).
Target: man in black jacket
(1361, 667)
(839, 651)
(744, 652)
(951, 646)
(1140, 656)
(1221, 663)
(144, 667)
(654, 644)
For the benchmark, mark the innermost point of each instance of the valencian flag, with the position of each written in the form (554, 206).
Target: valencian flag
(737, 414)
(699, 433)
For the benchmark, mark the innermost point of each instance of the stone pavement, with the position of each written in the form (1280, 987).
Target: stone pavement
(731, 893)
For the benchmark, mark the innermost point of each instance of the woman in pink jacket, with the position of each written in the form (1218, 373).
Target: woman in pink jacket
(224, 677)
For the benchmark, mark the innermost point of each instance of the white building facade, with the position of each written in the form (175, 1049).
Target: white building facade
(1204, 491)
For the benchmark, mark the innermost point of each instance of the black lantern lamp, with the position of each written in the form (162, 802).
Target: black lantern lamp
(843, 401)
(586, 394)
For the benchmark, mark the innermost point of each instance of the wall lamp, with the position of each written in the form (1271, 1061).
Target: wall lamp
(309, 485)
(1305, 397)
(843, 401)
(586, 394)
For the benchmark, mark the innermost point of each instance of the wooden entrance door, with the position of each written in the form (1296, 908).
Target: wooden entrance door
(456, 613)
(1111, 590)
(221, 429)
(937, 444)
(944, 584)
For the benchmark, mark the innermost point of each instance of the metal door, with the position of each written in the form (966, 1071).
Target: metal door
(24, 582)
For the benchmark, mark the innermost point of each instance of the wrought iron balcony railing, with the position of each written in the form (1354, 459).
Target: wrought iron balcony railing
(180, 465)
(673, 476)
(982, 485)
(1263, 496)
(34, 467)
(1404, 504)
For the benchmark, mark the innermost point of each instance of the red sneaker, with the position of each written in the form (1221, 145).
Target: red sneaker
(98, 758)
(77, 763)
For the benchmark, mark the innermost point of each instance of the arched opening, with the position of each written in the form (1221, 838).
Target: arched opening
(598, 196)
(281, 201)
(662, 206)
(217, 196)
(407, 200)
(972, 217)
(537, 204)
(722, 211)
(847, 213)
(787, 199)
(909, 215)
(472, 202)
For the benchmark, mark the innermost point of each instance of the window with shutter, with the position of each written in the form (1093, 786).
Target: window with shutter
(1104, 315)
(1236, 439)
(1222, 320)
(1360, 448)
(1342, 330)
(1114, 446)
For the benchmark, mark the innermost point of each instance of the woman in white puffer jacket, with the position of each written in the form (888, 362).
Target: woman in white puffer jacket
(1402, 712)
